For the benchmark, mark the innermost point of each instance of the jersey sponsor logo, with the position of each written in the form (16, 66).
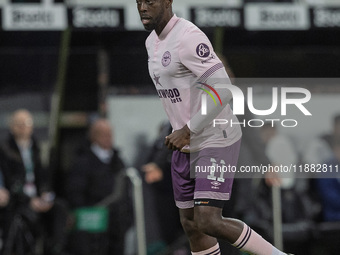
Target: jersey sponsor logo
(203, 50)
(212, 17)
(96, 17)
(172, 94)
(166, 59)
(329, 17)
(208, 59)
(34, 17)
(276, 17)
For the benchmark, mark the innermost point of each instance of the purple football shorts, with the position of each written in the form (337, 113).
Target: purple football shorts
(204, 177)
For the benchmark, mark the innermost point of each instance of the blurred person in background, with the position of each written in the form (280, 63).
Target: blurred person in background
(332, 138)
(157, 173)
(299, 209)
(28, 182)
(4, 194)
(92, 179)
(320, 149)
(4, 199)
(329, 188)
(280, 151)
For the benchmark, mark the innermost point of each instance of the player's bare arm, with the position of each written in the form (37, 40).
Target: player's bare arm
(178, 139)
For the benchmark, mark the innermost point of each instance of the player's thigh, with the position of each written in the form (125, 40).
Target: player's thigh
(187, 218)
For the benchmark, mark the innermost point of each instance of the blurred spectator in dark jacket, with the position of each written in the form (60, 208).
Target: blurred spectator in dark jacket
(4, 194)
(329, 188)
(158, 174)
(28, 183)
(92, 179)
(319, 149)
(335, 135)
(4, 198)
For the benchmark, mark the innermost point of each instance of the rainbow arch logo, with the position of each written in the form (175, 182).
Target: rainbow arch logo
(209, 93)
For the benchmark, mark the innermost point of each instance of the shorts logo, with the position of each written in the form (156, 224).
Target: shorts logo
(201, 202)
(166, 59)
(203, 50)
(215, 185)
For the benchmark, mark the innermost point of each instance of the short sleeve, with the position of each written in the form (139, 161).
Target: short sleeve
(197, 54)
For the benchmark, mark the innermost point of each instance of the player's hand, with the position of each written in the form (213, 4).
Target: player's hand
(4, 197)
(38, 204)
(152, 173)
(178, 139)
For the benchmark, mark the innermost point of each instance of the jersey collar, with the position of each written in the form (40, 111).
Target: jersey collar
(172, 22)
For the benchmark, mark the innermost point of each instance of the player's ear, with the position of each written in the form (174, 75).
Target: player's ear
(169, 3)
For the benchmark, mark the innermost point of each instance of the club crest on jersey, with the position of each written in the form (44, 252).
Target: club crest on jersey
(203, 50)
(166, 59)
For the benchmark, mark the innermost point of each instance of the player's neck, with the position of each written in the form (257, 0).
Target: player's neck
(159, 29)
